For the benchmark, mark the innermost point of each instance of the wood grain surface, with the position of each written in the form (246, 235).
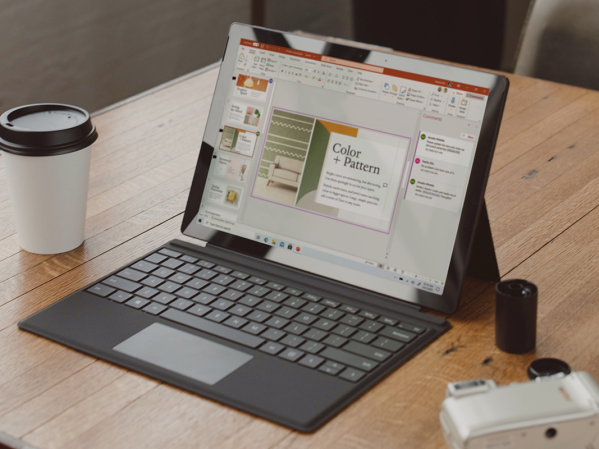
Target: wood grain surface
(542, 198)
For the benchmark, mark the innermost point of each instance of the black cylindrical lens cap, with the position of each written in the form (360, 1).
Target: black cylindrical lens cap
(46, 129)
(547, 367)
(516, 316)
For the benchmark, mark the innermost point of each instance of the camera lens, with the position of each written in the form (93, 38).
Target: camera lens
(551, 432)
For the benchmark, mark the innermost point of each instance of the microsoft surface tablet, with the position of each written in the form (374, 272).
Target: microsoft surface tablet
(365, 167)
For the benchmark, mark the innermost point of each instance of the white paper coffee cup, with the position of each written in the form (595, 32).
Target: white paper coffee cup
(46, 155)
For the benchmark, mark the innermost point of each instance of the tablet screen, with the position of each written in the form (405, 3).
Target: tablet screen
(348, 163)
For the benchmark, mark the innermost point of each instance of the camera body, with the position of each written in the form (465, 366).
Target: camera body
(549, 412)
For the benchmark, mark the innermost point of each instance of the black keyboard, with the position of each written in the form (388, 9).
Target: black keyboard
(282, 321)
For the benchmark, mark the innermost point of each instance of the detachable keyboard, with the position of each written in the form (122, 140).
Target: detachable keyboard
(282, 321)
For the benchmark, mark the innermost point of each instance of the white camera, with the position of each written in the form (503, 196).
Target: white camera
(560, 411)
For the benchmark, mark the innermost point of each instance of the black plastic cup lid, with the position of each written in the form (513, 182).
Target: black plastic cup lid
(516, 288)
(547, 367)
(46, 129)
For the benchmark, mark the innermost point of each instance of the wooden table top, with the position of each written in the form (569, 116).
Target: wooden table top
(543, 198)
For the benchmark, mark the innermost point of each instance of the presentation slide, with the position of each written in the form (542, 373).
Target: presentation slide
(243, 114)
(251, 87)
(231, 167)
(238, 141)
(224, 194)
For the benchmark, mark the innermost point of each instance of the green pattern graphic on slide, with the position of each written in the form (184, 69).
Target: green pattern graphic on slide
(315, 160)
(288, 136)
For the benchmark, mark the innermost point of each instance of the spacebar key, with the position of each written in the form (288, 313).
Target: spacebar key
(213, 328)
(348, 359)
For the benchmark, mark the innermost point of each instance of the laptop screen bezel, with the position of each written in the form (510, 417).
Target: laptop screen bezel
(498, 85)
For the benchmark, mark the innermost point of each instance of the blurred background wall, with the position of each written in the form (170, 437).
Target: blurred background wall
(93, 53)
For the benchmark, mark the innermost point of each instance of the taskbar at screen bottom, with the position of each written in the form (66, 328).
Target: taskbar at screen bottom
(351, 262)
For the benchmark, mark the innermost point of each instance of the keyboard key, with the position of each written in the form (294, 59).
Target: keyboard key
(240, 310)
(349, 309)
(325, 325)
(170, 253)
(187, 292)
(370, 315)
(273, 334)
(204, 298)
(315, 334)
(119, 296)
(254, 328)
(222, 304)
(277, 322)
(250, 300)
(214, 289)
(196, 283)
(131, 274)
(352, 374)
(101, 290)
(241, 285)
(305, 318)
(164, 298)
(275, 286)
(220, 330)
(173, 264)
(257, 280)
(293, 340)
(411, 328)
(287, 312)
(223, 280)
(397, 334)
(311, 297)
(233, 295)
(205, 264)
(154, 308)
(293, 291)
(240, 275)
(388, 321)
(181, 304)
(180, 278)
(199, 310)
(351, 320)
(259, 316)
(145, 266)
(295, 302)
(364, 337)
(236, 322)
(218, 316)
(311, 361)
(122, 284)
(152, 281)
(206, 274)
(163, 272)
(291, 354)
(335, 340)
(296, 328)
(330, 303)
(371, 326)
(313, 308)
(156, 258)
(388, 344)
(189, 259)
(345, 331)
(277, 296)
(137, 302)
(346, 358)
(147, 292)
(268, 306)
(331, 368)
(312, 347)
(367, 351)
(222, 269)
(189, 268)
(169, 287)
(258, 291)
(332, 314)
(272, 348)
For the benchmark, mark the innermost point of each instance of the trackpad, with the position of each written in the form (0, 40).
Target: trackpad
(183, 353)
